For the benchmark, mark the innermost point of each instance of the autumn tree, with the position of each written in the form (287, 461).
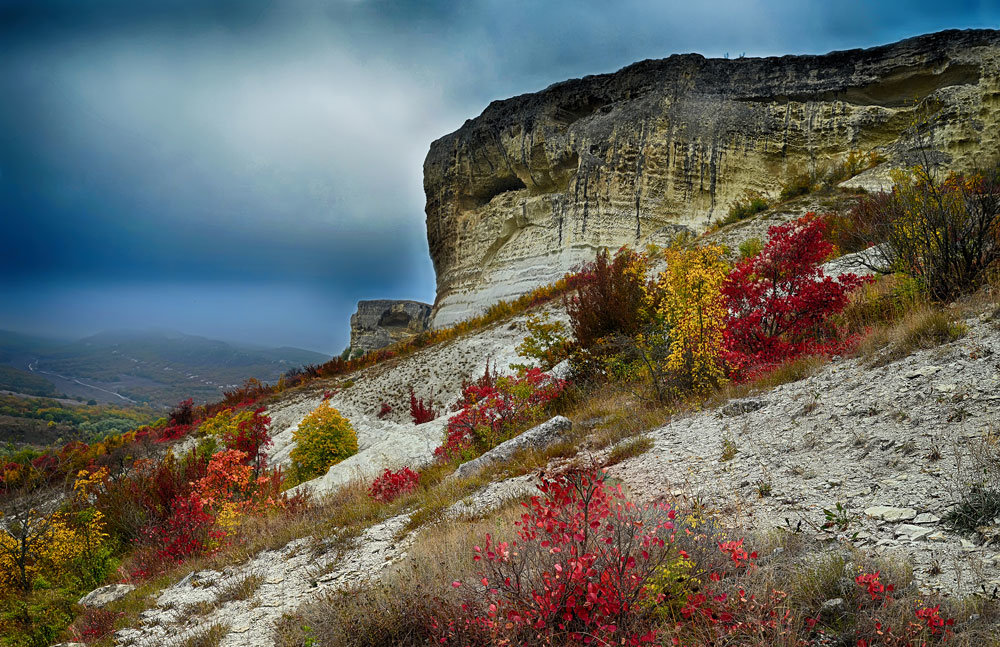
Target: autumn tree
(693, 310)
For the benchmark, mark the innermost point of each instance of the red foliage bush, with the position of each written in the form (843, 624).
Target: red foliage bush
(143, 496)
(183, 413)
(391, 484)
(384, 411)
(251, 437)
(577, 568)
(172, 432)
(927, 622)
(187, 531)
(609, 299)
(420, 411)
(94, 624)
(492, 409)
(780, 302)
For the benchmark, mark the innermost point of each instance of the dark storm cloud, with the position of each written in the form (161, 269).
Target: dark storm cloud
(212, 142)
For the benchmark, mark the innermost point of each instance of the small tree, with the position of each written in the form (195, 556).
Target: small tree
(945, 233)
(323, 438)
(779, 302)
(693, 309)
(611, 299)
(546, 342)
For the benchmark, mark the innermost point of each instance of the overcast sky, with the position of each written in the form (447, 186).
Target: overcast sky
(248, 170)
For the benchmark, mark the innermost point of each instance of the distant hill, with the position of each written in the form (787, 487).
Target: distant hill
(18, 381)
(158, 368)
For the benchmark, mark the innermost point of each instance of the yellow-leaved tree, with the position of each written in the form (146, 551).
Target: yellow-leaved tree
(691, 305)
(39, 540)
(323, 438)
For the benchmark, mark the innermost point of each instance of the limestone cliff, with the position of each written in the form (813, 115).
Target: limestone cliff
(381, 322)
(538, 182)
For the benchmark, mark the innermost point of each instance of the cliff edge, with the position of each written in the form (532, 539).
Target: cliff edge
(536, 183)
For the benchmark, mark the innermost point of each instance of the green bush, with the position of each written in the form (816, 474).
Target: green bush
(797, 185)
(752, 203)
(324, 438)
(750, 248)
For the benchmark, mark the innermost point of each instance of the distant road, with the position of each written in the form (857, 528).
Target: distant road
(33, 367)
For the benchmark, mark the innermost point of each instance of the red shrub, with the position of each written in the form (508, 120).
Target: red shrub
(384, 411)
(610, 298)
(172, 432)
(187, 531)
(94, 624)
(251, 391)
(251, 437)
(493, 409)
(872, 631)
(183, 413)
(391, 484)
(421, 411)
(780, 302)
(143, 496)
(577, 569)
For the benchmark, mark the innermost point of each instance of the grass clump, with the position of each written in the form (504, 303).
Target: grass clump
(924, 328)
(978, 501)
(629, 449)
(752, 203)
(210, 637)
(242, 589)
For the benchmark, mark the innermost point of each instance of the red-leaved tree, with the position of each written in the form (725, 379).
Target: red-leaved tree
(780, 301)
(251, 437)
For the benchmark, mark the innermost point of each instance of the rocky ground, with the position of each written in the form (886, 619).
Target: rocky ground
(245, 601)
(885, 443)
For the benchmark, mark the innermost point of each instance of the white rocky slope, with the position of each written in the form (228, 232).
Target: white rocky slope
(886, 443)
(866, 438)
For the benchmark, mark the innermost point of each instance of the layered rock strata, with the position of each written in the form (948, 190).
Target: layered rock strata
(537, 183)
(382, 322)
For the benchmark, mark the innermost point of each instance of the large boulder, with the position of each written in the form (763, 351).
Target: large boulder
(105, 595)
(546, 434)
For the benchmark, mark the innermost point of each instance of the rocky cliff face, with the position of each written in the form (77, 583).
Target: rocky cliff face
(538, 182)
(381, 322)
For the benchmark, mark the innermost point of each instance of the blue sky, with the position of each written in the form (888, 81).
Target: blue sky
(248, 170)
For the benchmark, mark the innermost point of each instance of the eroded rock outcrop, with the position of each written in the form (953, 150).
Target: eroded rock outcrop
(382, 322)
(538, 182)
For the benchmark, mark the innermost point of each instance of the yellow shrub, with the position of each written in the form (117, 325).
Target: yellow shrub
(226, 421)
(668, 588)
(324, 438)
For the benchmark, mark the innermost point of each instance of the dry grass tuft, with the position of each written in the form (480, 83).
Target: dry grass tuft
(242, 589)
(210, 637)
(923, 328)
(629, 449)
(394, 611)
(608, 415)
